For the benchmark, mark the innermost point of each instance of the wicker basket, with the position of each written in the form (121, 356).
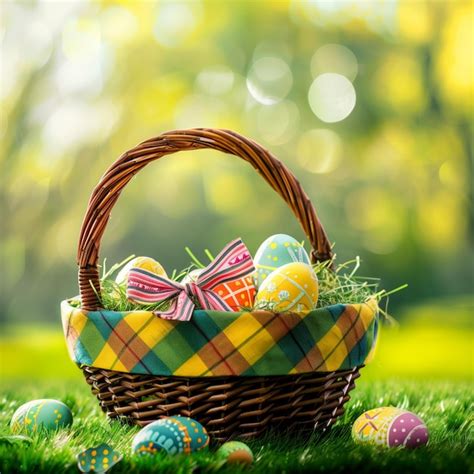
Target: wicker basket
(228, 406)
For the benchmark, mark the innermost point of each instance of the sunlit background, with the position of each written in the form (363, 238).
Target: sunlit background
(368, 103)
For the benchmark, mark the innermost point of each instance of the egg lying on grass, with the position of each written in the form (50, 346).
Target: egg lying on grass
(44, 414)
(292, 287)
(98, 459)
(276, 251)
(391, 427)
(235, 452)
(174, 435)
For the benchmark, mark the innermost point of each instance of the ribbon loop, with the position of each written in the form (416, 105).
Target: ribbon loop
(232, 263)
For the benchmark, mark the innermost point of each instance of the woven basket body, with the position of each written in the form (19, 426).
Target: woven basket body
(228, 406)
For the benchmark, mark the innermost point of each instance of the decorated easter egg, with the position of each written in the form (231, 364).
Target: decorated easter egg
(98, 459)
(237, 294)
(41, 414)
(196, 433)
(173, 435)
(235, 452)
(145, 263)
(276, 251)
(390, 426)
(292, 287)
(192, 276)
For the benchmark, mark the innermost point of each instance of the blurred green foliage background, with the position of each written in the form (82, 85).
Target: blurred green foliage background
(368, 103)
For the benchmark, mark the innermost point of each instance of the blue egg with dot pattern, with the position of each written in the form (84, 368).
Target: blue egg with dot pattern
(276, 251)
(173, 435)
(197, 434)
(44, 414)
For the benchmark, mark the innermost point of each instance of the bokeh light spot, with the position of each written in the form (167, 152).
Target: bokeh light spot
(197, 109)
(332, 97)
(228, 193)
(277, 123)
(334, 58)
(319, 150)
(215, 80)
(73, 124)
(450, 174)
(454, 61)
(398, 83)
(81, 38)
(119, 24)
(269, 80)
(415, 21)
(440, 219)
(378, 216)
(273, 48)
(175, 22)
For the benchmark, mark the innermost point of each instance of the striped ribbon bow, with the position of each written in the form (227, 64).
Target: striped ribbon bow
(232, 263)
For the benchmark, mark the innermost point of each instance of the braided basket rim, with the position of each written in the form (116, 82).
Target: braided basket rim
(232, 314)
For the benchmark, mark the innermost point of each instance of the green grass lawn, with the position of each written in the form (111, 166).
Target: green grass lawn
(425, 366)
(445, 407)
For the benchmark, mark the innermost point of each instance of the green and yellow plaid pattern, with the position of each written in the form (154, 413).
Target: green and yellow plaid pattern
(215, 343)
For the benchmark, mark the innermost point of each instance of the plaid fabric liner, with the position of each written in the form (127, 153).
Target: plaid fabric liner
(215, 343)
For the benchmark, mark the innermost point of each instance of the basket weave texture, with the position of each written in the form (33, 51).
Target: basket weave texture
(228, 406)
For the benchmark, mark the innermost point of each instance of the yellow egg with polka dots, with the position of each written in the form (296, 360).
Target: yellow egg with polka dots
(145, 263)
(274, 252)
(292, 287)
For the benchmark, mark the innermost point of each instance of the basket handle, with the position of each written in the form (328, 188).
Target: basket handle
(122, 171)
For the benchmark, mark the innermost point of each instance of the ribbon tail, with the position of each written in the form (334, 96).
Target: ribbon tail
(181, 309)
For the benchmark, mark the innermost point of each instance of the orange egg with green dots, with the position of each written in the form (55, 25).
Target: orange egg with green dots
(238, 294)
(44, 414)
(292, 287)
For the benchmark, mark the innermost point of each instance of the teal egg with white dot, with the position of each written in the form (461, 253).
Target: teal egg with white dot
(44, 414)
(173, 435)
(276, 251)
